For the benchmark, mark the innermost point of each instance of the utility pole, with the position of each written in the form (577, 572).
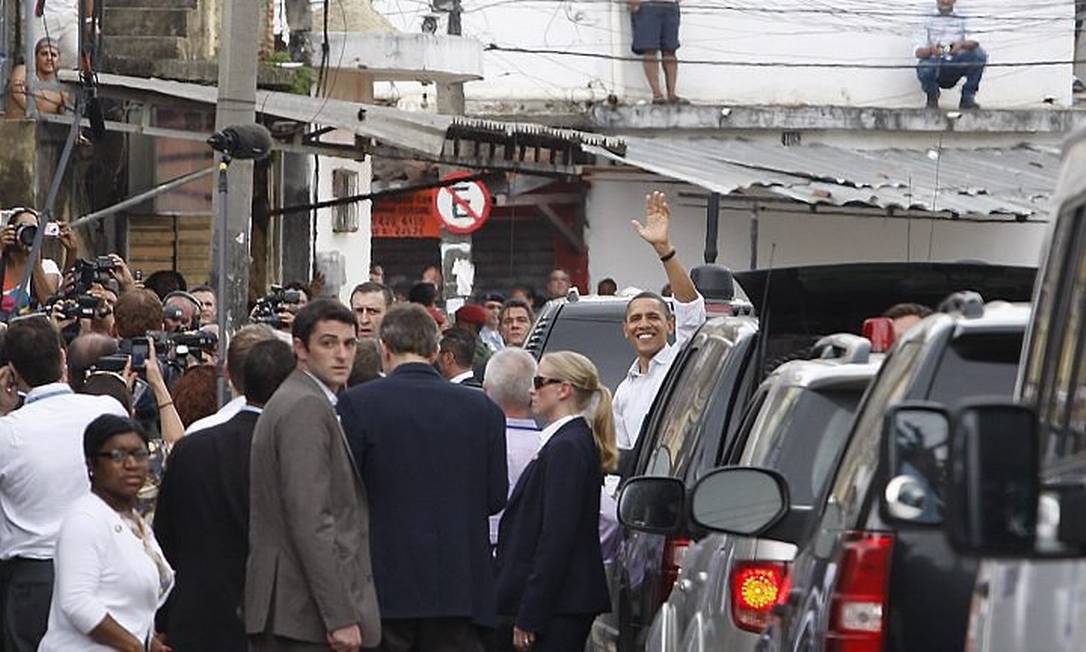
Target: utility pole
(450, 96)
(236, 105)
(450, 101)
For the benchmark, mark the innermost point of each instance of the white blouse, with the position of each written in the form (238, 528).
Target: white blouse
(102, 568)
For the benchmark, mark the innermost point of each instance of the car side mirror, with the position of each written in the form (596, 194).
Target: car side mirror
(994, 484)
(916, 439)
(653, 504)
(739, 500)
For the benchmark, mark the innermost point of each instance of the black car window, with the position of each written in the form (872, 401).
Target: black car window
(800, 433)
(600, 340)
(679, 425)
(982, 364)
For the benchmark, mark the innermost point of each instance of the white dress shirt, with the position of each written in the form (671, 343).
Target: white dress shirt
(521, 446)
(459, 378)
(637, 391)
(102, 568)
(42, 470)
(224, 414)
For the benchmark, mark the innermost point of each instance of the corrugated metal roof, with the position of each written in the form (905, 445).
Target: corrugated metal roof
(413, 131)
(1015, 181)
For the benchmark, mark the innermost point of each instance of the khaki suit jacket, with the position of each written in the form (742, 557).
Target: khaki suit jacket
(308, 571)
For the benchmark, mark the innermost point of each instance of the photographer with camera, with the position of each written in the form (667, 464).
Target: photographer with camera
(16, 240)
(181, 312)
(278, 307)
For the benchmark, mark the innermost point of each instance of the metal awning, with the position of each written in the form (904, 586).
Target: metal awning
(1013, 182)
(452, 140)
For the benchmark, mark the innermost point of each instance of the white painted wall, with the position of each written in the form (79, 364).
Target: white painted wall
(354, 247)
(800, 238)
(783, 31)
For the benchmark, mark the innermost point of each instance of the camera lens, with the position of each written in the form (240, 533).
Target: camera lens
(25, 235)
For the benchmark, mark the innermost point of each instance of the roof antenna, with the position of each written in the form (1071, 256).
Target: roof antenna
(763, 324)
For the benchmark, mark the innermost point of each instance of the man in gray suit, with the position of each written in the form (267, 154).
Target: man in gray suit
(308, 581)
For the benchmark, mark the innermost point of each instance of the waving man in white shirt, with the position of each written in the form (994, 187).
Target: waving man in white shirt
(648, 323)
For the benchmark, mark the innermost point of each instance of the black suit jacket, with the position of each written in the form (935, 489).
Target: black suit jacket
(549, 559)
(202, 524)
(432, 458)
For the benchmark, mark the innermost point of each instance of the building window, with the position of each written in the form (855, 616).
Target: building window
(344, 216)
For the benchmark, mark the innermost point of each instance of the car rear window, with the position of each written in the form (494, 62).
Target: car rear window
(600, 340)
(982, 364)
(800, 434)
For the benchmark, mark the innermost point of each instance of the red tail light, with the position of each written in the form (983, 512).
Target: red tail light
(674, 553)
(858, 616)
(880, 330)
(756, 587)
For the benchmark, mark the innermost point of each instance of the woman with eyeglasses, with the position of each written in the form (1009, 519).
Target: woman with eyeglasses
(551, 581)
(111, 575)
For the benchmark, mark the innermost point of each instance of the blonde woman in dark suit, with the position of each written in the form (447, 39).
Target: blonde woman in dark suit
(550, 578)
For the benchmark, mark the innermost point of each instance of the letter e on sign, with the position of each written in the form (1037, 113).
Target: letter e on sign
(462, 206)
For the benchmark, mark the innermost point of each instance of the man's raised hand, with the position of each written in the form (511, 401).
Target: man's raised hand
(657, 227)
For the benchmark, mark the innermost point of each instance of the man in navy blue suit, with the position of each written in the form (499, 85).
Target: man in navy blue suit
(432, 458)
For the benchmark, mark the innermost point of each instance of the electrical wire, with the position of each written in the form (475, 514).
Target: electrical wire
(493, 47)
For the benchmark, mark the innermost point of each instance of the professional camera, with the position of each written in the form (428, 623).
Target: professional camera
(86, 273)
(82, 306)
(174, 352)
(268, 307)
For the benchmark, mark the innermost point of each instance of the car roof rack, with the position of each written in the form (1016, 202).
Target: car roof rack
(846, 347)
(967, 303)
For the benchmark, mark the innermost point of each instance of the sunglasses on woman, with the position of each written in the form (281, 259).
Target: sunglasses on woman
(541, 381)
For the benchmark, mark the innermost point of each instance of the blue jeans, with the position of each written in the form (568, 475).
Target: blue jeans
(934, 73)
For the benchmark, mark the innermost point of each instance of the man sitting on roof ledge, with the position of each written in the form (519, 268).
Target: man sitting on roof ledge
(946, 55)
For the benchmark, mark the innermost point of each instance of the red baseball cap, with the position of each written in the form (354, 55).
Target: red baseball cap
(472, 314)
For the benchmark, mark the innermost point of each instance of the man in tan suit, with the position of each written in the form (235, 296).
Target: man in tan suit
(308, 581)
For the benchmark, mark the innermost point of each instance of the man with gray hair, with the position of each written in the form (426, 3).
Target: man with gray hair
(508, 382)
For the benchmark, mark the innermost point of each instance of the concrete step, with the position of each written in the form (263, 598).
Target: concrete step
(125, 21)
(149, 48)
(152, 4)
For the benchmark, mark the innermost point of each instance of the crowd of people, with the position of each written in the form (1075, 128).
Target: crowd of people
(383, 478)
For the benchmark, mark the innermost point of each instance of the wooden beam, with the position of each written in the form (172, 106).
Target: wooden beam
(541, 199)
(559, 224)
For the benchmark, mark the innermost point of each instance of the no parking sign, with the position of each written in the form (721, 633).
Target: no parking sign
(462, 206)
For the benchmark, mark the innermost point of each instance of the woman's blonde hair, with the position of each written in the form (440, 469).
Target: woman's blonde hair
(592, 398)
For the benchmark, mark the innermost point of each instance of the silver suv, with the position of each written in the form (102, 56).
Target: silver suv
(796, 424)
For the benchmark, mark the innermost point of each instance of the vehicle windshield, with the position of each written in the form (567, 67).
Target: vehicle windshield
(599, 339)
(800, 432)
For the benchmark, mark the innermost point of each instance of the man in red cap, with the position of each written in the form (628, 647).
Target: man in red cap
(472, 318)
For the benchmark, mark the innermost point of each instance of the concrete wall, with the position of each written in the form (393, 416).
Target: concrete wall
(793, 31)
(800, 237)
(353, 247)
